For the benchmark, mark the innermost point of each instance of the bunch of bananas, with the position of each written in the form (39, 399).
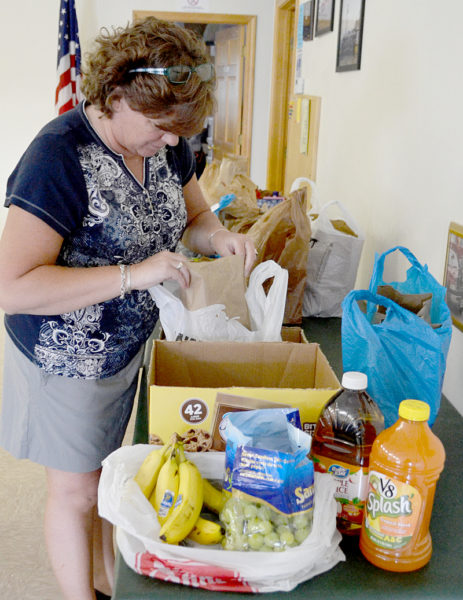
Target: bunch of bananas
(178, 493)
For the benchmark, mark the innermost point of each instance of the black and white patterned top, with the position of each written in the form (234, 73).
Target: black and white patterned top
(71, 180)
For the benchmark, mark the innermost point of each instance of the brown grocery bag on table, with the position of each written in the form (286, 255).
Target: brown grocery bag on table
(282, 234)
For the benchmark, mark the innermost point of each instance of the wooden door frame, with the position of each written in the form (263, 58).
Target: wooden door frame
(281, 80)
(249, 54)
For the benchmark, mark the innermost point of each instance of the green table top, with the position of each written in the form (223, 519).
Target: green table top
(355, 578)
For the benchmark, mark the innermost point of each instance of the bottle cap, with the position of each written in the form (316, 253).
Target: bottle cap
(354, 380)
(414, 410)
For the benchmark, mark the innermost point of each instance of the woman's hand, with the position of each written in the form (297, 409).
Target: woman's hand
(206, 235)
(224, 243)
(158, 268)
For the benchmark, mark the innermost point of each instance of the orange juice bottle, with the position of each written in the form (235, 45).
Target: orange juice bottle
(405, 463)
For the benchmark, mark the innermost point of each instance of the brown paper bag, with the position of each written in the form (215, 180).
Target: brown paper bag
(209, 183)
(218, 281)
(243, 212)
(283, 234)
(218, 176)
(229, 177)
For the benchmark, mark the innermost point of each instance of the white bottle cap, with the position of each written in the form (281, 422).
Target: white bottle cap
(354, 380)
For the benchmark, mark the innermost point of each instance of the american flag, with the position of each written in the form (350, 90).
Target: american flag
(68, 92)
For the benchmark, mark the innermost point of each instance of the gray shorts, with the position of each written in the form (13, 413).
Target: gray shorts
(60, 422)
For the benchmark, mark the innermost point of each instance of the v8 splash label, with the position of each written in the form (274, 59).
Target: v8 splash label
(392, 511)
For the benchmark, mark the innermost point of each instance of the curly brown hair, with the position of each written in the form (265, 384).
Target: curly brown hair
(181, 109)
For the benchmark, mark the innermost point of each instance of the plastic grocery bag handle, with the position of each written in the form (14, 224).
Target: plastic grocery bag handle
(266, 311)
(315, 199)
(372, 300)
(347, 217)
(393, 310)
(378, 269)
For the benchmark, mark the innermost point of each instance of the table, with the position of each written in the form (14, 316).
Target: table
(355, 578)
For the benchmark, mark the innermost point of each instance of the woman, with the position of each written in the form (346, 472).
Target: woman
(97, 206)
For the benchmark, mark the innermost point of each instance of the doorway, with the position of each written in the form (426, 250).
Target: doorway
(234, 49)
(288, 158)
(282, 83)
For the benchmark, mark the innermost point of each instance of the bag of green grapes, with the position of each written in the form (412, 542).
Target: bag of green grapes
(269, 480)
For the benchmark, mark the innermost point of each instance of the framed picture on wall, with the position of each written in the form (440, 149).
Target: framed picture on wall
(351, 18)
(308, 8)
(453, 274)
(325, 17)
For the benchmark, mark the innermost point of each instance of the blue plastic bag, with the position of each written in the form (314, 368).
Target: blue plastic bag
(403, 356)
(418, 281)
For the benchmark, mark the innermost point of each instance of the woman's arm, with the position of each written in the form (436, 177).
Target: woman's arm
(31, 282)
(206, 235)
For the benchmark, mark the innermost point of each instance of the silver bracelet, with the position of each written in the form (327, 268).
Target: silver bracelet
(211, 235)
(128, 286)
(125, 280)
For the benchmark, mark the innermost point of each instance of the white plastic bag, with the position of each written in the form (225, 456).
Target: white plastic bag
(121, 502)
(314, 201)
(332, 263)
(266, 312)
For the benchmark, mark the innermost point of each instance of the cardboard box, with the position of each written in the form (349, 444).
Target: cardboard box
(186, 376)
(293, 334)
(288, 334)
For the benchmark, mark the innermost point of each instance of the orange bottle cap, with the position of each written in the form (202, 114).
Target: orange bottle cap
(414, 410)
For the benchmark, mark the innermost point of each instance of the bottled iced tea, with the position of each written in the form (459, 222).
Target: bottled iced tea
(405, 464)
(341, 445)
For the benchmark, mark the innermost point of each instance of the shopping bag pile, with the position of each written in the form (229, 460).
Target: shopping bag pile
(281, 231)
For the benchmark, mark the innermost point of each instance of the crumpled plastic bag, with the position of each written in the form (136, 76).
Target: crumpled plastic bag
(211, 323)
(122, 503)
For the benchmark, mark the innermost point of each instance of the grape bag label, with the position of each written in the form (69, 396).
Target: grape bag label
(272, 477)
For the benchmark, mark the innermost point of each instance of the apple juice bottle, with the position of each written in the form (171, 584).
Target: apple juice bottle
(341, 445)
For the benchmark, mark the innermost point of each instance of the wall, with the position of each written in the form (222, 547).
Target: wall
(28, 43)
(391, 136)
(28, 67)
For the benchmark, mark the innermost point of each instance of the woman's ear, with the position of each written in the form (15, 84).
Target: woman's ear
(113, 100)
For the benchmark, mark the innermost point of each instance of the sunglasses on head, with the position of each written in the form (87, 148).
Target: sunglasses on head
(179, 73)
